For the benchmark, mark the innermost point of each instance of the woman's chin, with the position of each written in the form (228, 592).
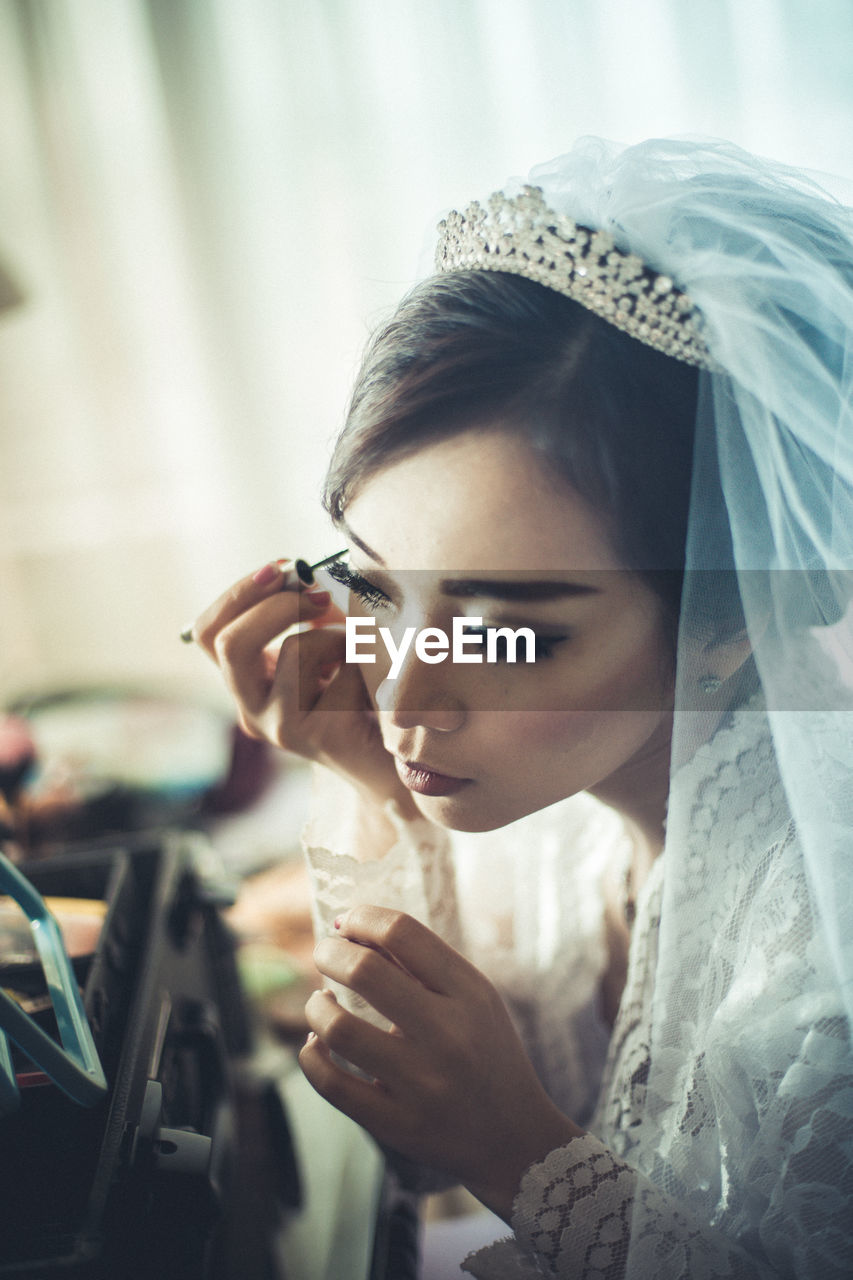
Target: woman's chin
(470, 812)
(457, 813)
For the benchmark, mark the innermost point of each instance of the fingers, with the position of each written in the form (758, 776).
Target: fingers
(312, 678)
(305, 665)
(237, 630)
(279, 676)
(245, 594)
(244, 651)
(401, 968)
(364, 1101)
(377, 979)
(347, 692)
(378, 1053)
(422, 953)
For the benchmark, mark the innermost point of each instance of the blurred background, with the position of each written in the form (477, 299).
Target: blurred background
(207, 205)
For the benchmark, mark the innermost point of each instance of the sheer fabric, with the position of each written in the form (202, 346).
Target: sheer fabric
(722, 1139)
(508, 901)
(737, 1127)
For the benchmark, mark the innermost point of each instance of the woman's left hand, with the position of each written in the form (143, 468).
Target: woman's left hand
(449, 1084)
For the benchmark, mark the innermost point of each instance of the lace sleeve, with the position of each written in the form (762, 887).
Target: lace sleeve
(573, 1218)
(785, 1199)
(582, 1210)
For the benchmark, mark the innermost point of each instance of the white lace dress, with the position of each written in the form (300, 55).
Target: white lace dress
(735, 1180)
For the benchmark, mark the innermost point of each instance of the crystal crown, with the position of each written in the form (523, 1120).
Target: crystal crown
(522, 235)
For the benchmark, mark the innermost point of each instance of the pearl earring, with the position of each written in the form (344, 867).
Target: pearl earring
(709, 683)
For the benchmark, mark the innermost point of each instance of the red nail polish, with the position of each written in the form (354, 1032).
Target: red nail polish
(337, 922)
(319, 599)
(266, 575)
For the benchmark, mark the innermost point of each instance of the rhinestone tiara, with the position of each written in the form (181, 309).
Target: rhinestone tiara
(520, 234)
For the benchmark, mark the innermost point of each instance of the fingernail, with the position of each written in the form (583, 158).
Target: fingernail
(337, 921)
(266, 575)
(320, 599)
(188, 633)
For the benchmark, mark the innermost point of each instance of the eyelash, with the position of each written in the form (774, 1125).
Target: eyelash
(374, 598)
(543, 646)
(367, 593)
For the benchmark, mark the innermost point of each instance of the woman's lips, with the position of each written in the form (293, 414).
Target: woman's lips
(427, 782)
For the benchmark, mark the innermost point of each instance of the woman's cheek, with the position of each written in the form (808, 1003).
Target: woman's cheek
(549, 730)
(563, 751)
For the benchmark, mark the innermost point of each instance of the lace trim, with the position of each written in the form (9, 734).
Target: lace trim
(504, 1260)
(582, 1213)
(578, 1200)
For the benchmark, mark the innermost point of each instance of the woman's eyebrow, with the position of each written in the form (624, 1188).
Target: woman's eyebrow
(511, 590)
(546, 589)
(362, 546)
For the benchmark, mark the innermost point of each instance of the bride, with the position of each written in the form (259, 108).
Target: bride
(587, 920)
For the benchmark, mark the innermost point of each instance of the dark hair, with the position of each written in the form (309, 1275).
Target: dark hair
(608, 415)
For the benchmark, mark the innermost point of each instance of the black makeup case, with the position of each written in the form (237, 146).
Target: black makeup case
(186, 1167)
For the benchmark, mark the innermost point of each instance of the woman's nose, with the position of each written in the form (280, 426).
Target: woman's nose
(419, 697)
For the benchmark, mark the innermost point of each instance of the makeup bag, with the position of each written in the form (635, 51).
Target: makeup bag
(184, 1166)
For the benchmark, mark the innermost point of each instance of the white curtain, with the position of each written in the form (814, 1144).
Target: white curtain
(207, 204)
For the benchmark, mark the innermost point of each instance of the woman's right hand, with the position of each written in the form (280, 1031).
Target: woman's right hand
(298, 693)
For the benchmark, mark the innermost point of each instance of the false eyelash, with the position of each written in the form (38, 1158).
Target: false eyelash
(543, 646)
(367, 593)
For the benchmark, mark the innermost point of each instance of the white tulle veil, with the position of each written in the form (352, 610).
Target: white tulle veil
(753, 999)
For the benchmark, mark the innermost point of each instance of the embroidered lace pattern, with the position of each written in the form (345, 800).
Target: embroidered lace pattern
(532, 903)
(415, 875)
(740, 1177)
(503, 898)
(726, 1171)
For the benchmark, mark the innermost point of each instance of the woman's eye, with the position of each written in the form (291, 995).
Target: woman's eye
(543, 646)
(369, 595)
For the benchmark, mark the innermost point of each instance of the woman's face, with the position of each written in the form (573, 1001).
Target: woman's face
(472, 527)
